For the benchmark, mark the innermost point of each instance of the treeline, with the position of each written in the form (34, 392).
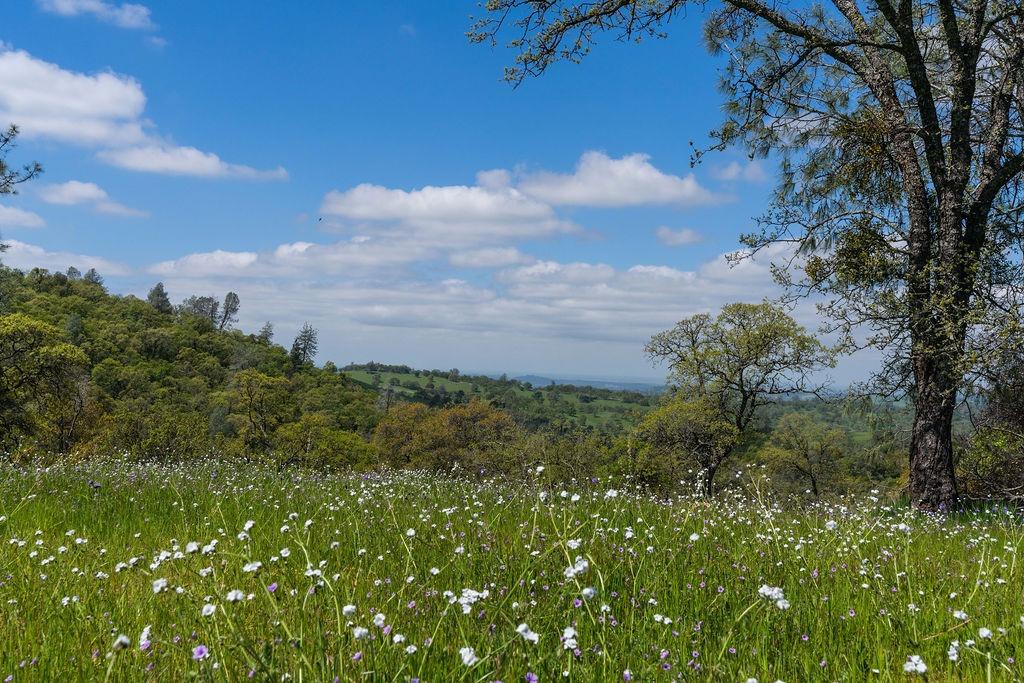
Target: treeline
(85, 372)
(561, 408)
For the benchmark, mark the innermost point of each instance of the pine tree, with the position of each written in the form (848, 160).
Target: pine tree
(229, 310)
(159, 300)
(266, 333)
(10, 177)
(304, 347)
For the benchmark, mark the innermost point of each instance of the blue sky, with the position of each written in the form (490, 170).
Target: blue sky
(363, 167)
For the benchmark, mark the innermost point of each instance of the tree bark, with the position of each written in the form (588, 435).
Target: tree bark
(709, 481)
(932, 478)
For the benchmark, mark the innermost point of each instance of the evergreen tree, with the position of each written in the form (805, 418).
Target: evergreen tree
(10, 178)
(304, 347)
(94, 277)
(229, 310)
(266, 333)
(159, 300)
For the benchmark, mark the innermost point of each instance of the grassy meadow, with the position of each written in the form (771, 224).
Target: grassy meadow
(121, 571)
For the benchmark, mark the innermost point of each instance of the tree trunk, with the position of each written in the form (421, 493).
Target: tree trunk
(709, 481)
(932, 479)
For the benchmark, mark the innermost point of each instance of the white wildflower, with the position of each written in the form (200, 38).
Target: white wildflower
(914, 665)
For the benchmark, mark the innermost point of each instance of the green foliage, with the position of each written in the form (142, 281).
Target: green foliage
(411, 435)
(86, 371)
(304, 347)
(153, 432)
(685, 440)
(805, 453)
(559, 408)
(743, 359)
(159, 300)
(36, 368)
(10, 177)
(263, 403)
(991, 458)
(118, 375)
(315, 442)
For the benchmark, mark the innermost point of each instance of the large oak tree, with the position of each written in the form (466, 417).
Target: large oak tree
(898, 126)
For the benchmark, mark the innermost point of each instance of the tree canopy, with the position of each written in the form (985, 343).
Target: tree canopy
(746, 357)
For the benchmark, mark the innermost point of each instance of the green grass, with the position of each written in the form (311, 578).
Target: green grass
(366, 377)
(849, 570)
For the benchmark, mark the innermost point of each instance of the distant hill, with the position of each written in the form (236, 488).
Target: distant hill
(615, 385)
(534, 403)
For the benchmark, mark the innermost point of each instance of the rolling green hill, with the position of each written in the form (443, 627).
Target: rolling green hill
(559, 406)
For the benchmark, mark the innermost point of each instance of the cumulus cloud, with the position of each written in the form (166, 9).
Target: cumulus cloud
(76, 192)
(186, 161)
(434, 204)
(752, 171)
(677, 238)
(493, 257)
(631, 180)
(368, 305)
(360, 255)
(362, 283)
(504, 206)
(102, 110)
(12, 217)
(25, 256)
(452, 215)
(207, 263)
(48, 101)
(126, 15)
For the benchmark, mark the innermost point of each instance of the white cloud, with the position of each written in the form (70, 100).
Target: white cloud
(495, 179)
(207, 263)
(600, 180)
(503, 206)
(361, 283)
(72, 192)
(11, 217)
(102, 110)
(75, 192)
(186, 161)
(48, 101)
(493, 257)
(126, 15)
(548, 315)
(752, 172)
(430, 204)
(358, 256)
(452, 215)
(26, 256)
(677, 238)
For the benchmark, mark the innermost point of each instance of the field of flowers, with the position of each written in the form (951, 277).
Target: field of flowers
(121, 571)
